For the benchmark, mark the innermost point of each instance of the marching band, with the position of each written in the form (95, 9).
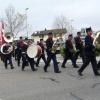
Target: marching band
(22, 47)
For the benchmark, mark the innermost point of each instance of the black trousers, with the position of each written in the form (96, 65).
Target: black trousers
(8, 58)
(26, 59)
(69, 55)
(15, 54)
(2, 57)
(81, 55)
(49, 58)
(38, 60)
(98, 65)
(18, 57)
(93, 61)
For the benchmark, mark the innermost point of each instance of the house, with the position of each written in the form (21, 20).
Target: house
(44, 34)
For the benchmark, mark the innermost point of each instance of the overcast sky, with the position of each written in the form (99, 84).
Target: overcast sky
(41, 13)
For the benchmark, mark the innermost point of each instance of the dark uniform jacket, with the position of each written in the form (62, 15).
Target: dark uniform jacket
(49, 44)
(19, 46)
(68, 46)
(89, 47)
(78, 43)
(5, 48)
(24, 51)
(24, 48)
(42, 46)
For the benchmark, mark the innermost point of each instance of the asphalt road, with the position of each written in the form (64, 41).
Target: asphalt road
(28, 85)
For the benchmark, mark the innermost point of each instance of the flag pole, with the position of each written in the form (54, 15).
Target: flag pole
(1, 34)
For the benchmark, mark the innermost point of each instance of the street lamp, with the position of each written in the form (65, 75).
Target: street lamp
(71, 26)
(26, 20)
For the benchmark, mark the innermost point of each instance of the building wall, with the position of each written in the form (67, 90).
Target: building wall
(37, 38)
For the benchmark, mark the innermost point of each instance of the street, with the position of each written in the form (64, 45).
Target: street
(67, 85)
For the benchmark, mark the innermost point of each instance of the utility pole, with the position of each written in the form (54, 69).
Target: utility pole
(26, 21)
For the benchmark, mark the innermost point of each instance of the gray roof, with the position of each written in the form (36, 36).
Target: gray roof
(45, 32)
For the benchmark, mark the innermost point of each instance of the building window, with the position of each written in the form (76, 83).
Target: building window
(41, 36)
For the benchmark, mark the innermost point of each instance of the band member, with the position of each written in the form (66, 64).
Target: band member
(90, 54)
(25, 57)
(98, 65)
(19, 46)
(15, 47)
(51, 54)
(79, 47)
(2, 56)
(42, 55)
(13, 52)
(8, 57)
(69, 52)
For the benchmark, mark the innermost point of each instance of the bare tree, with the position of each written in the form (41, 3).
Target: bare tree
(14, 22)
(61, 22)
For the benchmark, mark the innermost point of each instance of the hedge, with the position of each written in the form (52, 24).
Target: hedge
(63, 53)
(74, 51)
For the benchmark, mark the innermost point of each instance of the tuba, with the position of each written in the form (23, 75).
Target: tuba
(8, 37)
(97, 39)
(54, 46)
(10, 49)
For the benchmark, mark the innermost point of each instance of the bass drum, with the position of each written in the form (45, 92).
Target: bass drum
(34, 51)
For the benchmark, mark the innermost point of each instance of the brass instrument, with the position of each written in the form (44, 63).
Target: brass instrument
(55, 46)
(10, 49)
(8, 37)
(45, 47)
(97, 39)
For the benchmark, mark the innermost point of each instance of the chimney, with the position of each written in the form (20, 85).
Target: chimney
(45, 29)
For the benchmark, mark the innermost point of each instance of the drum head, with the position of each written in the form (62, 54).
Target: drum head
(32, 51)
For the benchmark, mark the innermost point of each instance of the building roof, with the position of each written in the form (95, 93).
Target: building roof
(45, 32)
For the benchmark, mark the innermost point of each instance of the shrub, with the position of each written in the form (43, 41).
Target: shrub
(62, 52)
(98, 50)
(74, 51)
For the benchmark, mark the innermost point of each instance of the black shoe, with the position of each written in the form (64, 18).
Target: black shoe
(98, 74)
(58, 72)
(63, 66)
(6, 68)
(58, 62)
(22, 69)
(45, 70)
(76, 66)
(34, 69)
(80, 74)
(98, 68)
(18, 65)
(12, 67)
(37, 66)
